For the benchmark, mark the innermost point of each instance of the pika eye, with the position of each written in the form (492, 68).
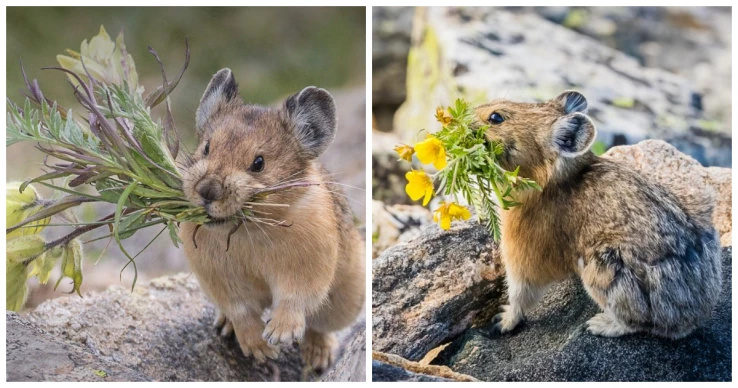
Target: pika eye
(495, 118)
(206, 151)
(258, 164)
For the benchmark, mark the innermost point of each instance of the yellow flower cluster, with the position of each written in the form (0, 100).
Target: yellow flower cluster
(420, 184)
(448, 212)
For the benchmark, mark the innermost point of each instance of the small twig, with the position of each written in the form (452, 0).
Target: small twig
(231, 232)
(194, 235)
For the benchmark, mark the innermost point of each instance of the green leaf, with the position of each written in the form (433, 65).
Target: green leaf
(52, 209)
(72, 265)
(129, 223)
(116, 229)
(16, 290)
(173, 233)
(22, 248)
(42, 267)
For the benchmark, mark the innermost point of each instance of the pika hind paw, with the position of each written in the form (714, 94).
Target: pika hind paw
(507, 320)
(319, 350)
(605, 325)
(284, 329)
(223, 325)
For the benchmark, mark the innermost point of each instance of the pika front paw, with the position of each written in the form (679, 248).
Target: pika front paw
(248, 333)
(284, 328)
(259, 348)
(507, 320)
(319, 350)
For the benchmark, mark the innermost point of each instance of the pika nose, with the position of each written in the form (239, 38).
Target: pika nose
(210, 191)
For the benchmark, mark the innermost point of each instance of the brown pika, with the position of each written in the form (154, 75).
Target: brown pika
(299, 252)
(648, 255)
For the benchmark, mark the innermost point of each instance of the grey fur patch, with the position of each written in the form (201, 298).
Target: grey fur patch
(313, 115)
(221, 91)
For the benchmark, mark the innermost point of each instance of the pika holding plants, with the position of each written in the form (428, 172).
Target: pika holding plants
(648, 255)
(298, 250)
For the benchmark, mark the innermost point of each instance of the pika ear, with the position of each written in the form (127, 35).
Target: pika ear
(221, 91)
(573, 134)
(572, 101)
(313, 116)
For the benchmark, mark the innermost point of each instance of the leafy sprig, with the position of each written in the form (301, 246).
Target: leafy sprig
(470, 169)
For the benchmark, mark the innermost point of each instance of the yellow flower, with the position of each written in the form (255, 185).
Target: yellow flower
(405, 151)
(430, 151)
(419, 186)
(443, 117)
(448, 212)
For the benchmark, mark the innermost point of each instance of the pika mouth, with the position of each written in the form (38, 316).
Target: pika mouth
(220, 221)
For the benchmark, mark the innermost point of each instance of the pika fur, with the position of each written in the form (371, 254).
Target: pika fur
(648, 255)
(299, 253)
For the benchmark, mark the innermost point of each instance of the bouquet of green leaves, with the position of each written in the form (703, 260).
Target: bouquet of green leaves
(466, 166)
(113, 146)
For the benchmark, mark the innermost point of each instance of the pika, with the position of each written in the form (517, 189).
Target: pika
(298, 252)
(648, 255)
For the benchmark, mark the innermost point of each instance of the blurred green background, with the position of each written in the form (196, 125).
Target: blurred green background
(272, 51)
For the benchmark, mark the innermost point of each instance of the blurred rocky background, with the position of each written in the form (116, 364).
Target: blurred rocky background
(273, 53)
(658, 83)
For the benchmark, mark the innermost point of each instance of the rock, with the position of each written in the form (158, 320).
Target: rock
(161, 331)
(396, 223)
(391, 41)
(553, 345)
(33, 355)
(429, 290)
(352, 366)
(693, 42)
(485, 53)
(666, 165)
(386, 372)
(389, 367)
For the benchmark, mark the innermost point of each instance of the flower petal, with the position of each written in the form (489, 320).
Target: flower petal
(414, 191)
(445, 223)
(428, 194)
(425, 151)
(440, 162)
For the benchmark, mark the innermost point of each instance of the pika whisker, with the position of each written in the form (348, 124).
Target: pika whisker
(267, 204)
